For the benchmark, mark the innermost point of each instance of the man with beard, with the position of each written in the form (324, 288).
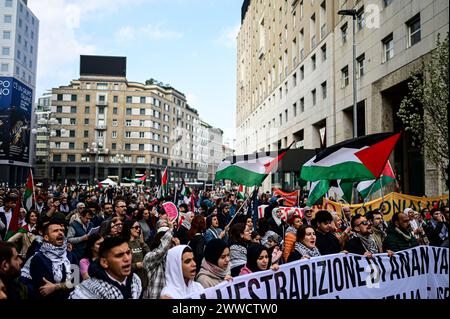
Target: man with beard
(363, 243)
(110, 275)
(50, 267)
(10, 271)
(399, 236)
(378, 230)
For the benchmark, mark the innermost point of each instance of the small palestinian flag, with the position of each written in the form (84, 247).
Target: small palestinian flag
(358, 159)
(163, 192)
(241, 194)
(29, 188)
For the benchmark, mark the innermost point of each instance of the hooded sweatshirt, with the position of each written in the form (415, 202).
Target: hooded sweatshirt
(176, 287)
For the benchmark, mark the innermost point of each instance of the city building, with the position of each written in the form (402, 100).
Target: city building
(294, 70)
(215, 150)
(109, 126)
(19, 32)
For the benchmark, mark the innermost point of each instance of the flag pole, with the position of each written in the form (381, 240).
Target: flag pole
(238, 211)
(32, 182)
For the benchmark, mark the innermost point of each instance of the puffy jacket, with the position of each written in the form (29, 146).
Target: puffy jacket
(289, 244)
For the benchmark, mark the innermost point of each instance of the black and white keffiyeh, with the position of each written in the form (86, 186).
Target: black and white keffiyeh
(95, 288)
(305, 251)
(58, 257)
(369, 243)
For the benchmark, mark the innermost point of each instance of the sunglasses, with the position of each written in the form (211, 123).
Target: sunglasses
(136, 227)
(365, 223)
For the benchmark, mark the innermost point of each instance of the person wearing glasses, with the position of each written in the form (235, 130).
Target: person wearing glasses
(112, 227)
(121, 210)
(133, 235)
(326, 241)
(364, 242)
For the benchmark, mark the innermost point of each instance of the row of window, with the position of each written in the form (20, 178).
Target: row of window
(112, 159)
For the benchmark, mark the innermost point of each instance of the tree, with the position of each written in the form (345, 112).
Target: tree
(424, 111)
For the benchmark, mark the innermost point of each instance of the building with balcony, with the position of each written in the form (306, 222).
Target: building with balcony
(103, 117)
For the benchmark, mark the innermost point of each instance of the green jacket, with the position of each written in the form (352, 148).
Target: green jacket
(397, 241)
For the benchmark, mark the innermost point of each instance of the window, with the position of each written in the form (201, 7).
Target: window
(324, 90)
(73, 121)
(5, 51)
(142, 100)
(294, 79)
(73, 109)
(313, 95)
(101, 98)
(128, 123)
(414, 31)
(86, 121)
(286, 116)
(302, 72)
(360, 61)
(86, 134)
(388, 48)
(129, 99)
(56, 158)
(114, 134)
(114, 110)
(294, 109)
(8, 3)
(115, 99)
(313, 62)
(85, 145)
(4, 67)
(281, 119)
(324, 52)
(344, 77)
(127, 147)
(140, 159)
(58, 109)
(128, 111)
(87, 109)
(360, 18)
(344, 30)
(101, 110)
(6, 35)
(71, 146)
(142, 111)
(71, 133)
(102, 86)
(115, 123)
(7, 18)
(73, 97)
(302, 105)
(141, 147)
(20, 23)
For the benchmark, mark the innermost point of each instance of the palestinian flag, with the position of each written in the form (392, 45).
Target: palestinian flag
(249, 170)
(29, 191)
(241, 194)
(358, 159)
(185, 192)
(140, 180)
(162, 192)
(368, 187)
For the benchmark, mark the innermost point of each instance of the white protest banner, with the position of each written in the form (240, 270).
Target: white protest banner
(284, 210)
(417, 273)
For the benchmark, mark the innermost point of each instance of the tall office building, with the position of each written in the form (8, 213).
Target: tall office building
(294, 76)
(19, 31)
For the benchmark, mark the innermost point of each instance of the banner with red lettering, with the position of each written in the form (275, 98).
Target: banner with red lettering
(290, 199)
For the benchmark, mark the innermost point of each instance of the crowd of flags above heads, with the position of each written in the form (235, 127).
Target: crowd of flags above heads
(362, 161)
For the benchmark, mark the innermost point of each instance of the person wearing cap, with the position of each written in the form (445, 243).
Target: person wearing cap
(437, 231)
(50, 268)
(307, 213)
(155, 261)
(215, 267)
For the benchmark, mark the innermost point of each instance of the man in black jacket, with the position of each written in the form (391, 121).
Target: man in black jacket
(436, 230)
(363, 243)
(326, 241)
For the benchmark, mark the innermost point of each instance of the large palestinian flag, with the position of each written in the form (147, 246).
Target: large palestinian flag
(249, 170)
(366, 188)
(358, 159)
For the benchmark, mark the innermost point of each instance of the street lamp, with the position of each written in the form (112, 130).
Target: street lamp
(120, 158)
(353, 13)
(97, 148)
(44, 128)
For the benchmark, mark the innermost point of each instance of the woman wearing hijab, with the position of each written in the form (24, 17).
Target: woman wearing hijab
(258, 259)
(240, 237)
(305, 246)
(180, 274)
(215, 267)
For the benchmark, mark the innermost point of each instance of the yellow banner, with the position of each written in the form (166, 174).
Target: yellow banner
(393, 202)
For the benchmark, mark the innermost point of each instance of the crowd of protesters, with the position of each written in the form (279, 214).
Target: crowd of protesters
(119, 243)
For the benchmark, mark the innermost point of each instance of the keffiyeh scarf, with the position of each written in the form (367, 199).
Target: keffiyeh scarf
(368, 243)
(58, 257)
(305, 251)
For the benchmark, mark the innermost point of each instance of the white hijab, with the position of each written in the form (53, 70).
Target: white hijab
(175, 285)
